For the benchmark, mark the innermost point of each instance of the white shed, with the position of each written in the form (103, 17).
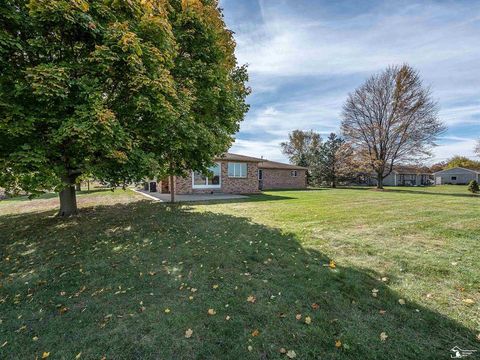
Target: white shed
(456, 175)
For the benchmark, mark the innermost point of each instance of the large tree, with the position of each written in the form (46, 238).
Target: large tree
(390, 119)
(335, 160)
(121, 90)
(477, 149)
(302, 149)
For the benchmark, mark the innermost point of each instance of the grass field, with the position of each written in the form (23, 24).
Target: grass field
(251, 279)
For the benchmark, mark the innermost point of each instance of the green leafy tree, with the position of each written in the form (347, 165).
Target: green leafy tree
(462, 161)
(473, 187)
(120, 90)
(302, 149)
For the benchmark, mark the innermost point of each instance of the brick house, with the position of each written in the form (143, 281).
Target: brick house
(235, 174)
(276, 175)
(232, 173)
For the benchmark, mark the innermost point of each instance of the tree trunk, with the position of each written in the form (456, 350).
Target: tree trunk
(172, 189)
(380, 181)
(78, 186)
(88, 185)
(68, 201)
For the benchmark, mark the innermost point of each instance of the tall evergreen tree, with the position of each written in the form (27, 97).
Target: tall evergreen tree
(334, 160)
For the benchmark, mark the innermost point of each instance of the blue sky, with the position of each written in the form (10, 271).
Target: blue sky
(305, 56)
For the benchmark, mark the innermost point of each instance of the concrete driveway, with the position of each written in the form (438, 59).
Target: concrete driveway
(190, 197)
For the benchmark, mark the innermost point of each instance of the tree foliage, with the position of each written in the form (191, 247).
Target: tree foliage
(462, 161)
(477, 148)
(335, 160)
(302, 149)
(391, 119)
(473, 187)
(121, 90)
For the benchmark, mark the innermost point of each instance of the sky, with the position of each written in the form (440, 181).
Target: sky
(305, 56)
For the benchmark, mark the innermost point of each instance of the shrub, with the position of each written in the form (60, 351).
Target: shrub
(473, 187)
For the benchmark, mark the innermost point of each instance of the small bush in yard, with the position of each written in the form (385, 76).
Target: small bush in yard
(473, 187)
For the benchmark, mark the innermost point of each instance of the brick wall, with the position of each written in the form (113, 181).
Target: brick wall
(183, 185)
(240, 185)
(281, 179)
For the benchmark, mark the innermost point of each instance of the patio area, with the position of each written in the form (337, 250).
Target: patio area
(190, 197)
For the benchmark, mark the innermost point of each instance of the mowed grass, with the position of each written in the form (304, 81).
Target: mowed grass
(128, 277)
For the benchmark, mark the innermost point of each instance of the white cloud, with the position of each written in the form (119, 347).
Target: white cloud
(455, 146)
(438, 38)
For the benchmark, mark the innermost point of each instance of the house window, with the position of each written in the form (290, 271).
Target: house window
(238, 170)
(293, 173)
(211, 180)
(260, 174)
(454, 178)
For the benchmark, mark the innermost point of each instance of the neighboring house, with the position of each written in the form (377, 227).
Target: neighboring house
(456, 175)
(233, 173)
(406, 176)
(276, 175)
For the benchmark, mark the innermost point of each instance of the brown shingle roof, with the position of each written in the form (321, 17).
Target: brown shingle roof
(267, 164)
(237, 157)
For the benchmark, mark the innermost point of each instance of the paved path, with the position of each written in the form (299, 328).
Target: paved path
(190, 197)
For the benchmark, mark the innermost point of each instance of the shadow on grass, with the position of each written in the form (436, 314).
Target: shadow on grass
(420, 192)
(51, 195)
(100, 283)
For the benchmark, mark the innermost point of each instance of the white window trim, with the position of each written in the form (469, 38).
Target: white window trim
(237, 176)
(195, 186)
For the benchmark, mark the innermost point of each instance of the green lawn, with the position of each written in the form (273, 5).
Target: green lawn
(128, 277)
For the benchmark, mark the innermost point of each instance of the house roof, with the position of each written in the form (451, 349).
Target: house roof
(458, 168)
(237, 157)
(267, 164)
(405, 169)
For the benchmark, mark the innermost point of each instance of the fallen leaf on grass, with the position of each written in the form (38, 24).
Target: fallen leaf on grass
(78, 355)
(251, 299)
(167, 311)
(282, 350)
(338, 344)
(401, 301)
(4, 344)
(35, 338)
(291, 354)
(63, 310)
(382, 312)
(255, 332)
(308, 320)
(250, 348)
(227, 317)
(211, 312)
(45, 355)
(374, 292)
(332, 264)
(188, 333)
(215, 286)
(468, 301)
(315, 306)
(298, 316)
(383, 336)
